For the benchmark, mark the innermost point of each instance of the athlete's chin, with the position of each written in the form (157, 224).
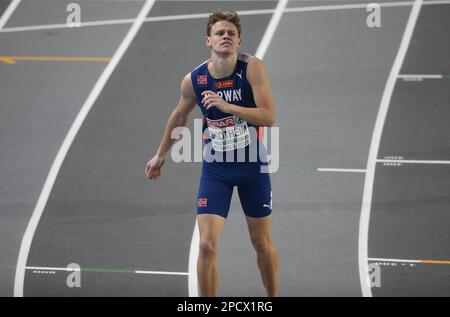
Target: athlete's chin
(225, 50)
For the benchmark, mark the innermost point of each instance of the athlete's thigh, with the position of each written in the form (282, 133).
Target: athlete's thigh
(260, 228)
(256, 195)
(210, 227)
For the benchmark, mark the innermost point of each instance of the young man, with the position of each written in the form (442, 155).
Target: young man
(234, 94)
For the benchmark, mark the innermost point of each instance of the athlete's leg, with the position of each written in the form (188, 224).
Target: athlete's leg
(267, 254)
(255, 194)
(210, 227)
(214, 198)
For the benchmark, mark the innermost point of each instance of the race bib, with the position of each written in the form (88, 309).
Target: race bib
(228, 134)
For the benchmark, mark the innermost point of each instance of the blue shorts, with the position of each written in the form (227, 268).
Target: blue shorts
(217, 184)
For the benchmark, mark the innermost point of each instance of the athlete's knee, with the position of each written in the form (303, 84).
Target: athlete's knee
(262, 245)
(207, 249)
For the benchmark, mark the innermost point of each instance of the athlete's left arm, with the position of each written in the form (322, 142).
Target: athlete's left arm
(264, 113)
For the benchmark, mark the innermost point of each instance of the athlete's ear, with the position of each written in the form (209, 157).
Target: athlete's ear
(208, 41)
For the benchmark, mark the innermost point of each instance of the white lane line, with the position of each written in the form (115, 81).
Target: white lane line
(195, 241)
(393, 260)
(414, 162)
(341, 170)
(8, 12)
(436, 2)
(270, 31)
(361, 6)
(204, 15)
(436, 262)
(112, 1)
(347, 7)
(418, 77)
(374, 148)
(162, 273)
(44, 272)
(193, 256)
(41, 268)
(43, 198)
(65, 26)
(128, 21)
(38, 268)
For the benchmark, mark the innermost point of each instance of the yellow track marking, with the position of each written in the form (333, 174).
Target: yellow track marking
(435, 262)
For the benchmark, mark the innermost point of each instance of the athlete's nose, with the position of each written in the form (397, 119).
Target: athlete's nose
(226, 36)
(226, 39)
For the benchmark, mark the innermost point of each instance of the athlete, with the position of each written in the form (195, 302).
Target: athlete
(234, 95)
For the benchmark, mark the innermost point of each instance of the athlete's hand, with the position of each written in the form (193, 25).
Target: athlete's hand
(211, 99)
(154, 167)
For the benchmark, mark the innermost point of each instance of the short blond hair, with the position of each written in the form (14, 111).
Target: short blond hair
(218, 15)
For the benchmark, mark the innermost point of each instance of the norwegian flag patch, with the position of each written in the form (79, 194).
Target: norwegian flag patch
(202, 80)
(202, 202)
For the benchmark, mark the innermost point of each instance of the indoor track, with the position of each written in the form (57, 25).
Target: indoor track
(364, 173)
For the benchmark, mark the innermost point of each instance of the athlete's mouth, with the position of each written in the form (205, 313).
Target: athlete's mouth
(226, 43)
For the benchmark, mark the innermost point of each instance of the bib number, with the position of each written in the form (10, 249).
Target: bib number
(228, 134)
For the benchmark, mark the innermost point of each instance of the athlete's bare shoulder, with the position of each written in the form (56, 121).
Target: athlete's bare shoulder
(255, 62)
(245, 57)
(256, 70)
(187, 89)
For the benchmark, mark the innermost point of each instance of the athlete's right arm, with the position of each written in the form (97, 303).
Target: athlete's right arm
(178, 118)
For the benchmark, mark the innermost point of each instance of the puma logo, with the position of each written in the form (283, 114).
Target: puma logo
(270, 204)
(239, 75)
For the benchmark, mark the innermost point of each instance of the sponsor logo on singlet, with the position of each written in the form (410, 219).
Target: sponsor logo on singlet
(228, 134)
(224, 84)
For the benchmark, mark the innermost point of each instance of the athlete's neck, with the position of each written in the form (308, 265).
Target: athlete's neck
(222, 66)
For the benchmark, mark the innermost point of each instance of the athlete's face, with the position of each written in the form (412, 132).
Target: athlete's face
(224, 38)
